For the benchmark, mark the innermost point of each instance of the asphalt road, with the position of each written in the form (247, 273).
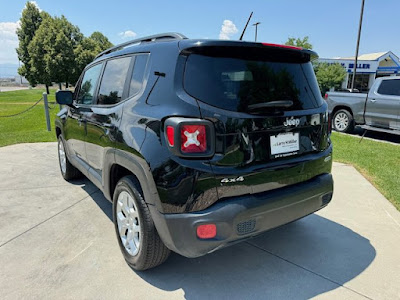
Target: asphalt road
(57, 241)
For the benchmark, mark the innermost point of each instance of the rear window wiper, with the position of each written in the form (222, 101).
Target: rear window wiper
(271, 104)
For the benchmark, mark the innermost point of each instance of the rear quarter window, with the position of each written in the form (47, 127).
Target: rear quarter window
(137, 79)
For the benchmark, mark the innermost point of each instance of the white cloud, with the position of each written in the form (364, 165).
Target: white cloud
(127, 34)
(227, 30)
(8, 42)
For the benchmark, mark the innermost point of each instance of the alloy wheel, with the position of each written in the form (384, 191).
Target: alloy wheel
(62, 157)
(341, 121)
(128, 223)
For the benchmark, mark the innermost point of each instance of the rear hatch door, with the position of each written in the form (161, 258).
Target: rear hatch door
(270, 120)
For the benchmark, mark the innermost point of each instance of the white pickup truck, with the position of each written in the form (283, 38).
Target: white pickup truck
(377, 110)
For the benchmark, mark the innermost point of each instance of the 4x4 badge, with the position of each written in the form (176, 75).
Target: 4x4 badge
(292, 121)
(231, 180)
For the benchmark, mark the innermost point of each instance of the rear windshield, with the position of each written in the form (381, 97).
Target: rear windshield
(233, 83)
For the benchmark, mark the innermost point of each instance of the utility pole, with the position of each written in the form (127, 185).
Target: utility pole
(358, 44)
(256, 24)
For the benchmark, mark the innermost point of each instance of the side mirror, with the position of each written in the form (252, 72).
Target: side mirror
(64, 97)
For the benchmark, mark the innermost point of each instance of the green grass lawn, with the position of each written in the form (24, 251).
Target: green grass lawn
(29, 127)
(378, 162)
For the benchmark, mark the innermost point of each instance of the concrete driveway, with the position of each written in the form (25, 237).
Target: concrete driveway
(57, 241)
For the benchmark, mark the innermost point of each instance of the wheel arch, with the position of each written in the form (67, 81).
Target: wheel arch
(116, 173)
(124, 164)
(339, 107)
(58, 127)
(58, 131)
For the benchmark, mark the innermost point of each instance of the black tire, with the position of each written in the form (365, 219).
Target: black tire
(343, 121)
(70, 172)
(151, 250)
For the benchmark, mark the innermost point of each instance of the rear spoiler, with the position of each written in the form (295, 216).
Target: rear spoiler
(240, 49)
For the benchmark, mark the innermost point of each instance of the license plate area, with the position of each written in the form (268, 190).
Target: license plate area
(284, 144)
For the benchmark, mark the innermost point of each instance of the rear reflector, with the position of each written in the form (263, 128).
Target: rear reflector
(282, 46)
(170, 135)
(207, 231)
(326, 96)
(193, 138)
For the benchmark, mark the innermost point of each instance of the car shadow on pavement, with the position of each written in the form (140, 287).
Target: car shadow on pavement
(299, 260)
(95, 194)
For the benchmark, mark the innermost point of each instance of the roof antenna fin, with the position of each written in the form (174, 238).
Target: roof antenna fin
(241, 37)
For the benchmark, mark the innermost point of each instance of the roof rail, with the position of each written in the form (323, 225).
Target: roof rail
(150, 38)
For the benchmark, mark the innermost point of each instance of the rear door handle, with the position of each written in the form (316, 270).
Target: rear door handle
(373, 100)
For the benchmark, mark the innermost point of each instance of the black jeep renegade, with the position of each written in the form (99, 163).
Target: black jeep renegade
(198, 143)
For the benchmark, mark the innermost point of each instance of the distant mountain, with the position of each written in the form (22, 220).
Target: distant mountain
(8, 70)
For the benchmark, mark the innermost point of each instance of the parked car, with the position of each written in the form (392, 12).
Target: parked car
(199, 144)
(378, 110)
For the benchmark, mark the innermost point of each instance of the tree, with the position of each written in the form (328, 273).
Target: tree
(88, 49)
(60, 56)
(85, 52)
(37, 49)
(329, 76)
(53, 49)
(303, 43)
(29, 22)
(101, 40)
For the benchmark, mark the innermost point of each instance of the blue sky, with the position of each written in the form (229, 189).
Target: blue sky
(331, 25)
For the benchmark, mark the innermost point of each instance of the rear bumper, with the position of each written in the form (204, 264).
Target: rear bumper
(242, 217)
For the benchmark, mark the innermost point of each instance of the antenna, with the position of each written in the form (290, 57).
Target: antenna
(241, 37)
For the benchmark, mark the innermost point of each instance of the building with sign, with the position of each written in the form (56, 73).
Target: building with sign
(369, 67)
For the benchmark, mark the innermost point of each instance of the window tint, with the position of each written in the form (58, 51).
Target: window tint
(113, 81)
(88, 85)
(234, 83)
(390, 87)
(138, 74)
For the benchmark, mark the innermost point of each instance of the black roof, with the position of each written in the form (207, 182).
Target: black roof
(189, 45)
(151, 38)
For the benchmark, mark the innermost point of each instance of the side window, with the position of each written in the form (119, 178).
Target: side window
(390, 87)
(113, 81)
(137, 79)
(88, 85)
